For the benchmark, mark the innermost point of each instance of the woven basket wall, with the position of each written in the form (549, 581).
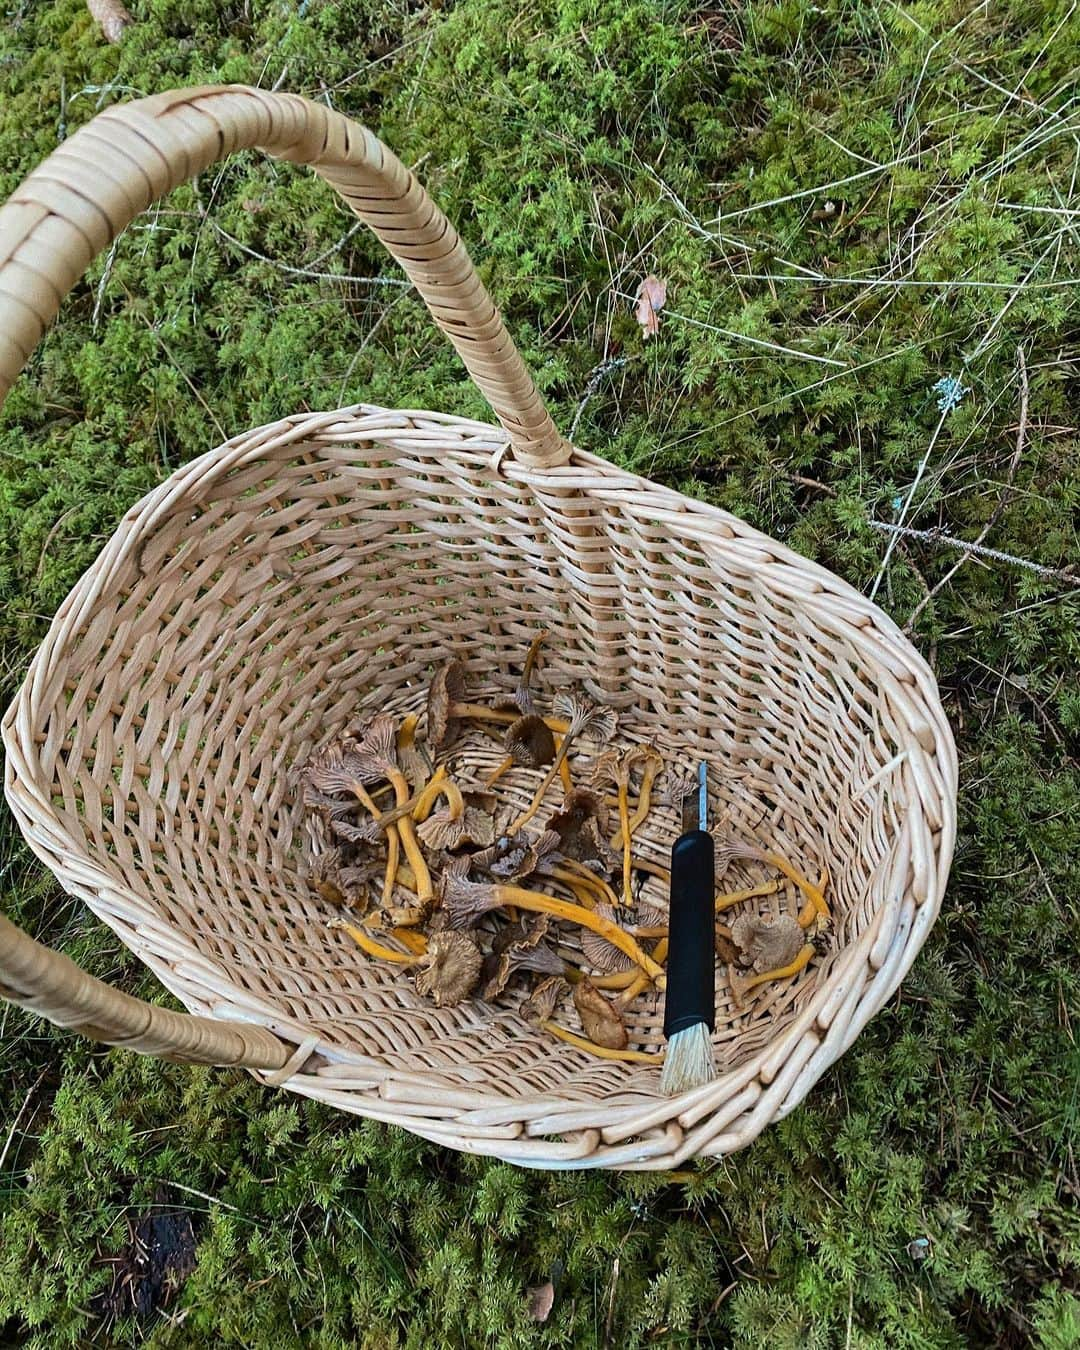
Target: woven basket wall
(271, 590)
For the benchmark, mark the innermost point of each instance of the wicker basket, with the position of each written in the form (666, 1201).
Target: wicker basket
(266, 593)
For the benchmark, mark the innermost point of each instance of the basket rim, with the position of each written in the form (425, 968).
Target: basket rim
(653, 1133)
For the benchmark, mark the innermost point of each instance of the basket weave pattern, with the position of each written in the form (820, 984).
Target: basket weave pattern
(270, 591)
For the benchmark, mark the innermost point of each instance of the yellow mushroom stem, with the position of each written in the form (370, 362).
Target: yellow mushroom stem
(507, 761)
(734, 897)
(394, 813)
(625, 833)
(651, 869)
(635, 987)
(601, 1051)
(564, 768)
(365, 799)
(479, 713)
(571, 871)
(581, 893)
(810, 910)
(538, 796)
(369, 945)
(813, 893)
(641, 981)
(416, 942)
(540, 903)
(644, 801)
(393, 857)
(782, 973)
(650, 930)
(409, 842)
(500, 768)
(619, 980)
(406, 736)
(436, 788)
(407, 916)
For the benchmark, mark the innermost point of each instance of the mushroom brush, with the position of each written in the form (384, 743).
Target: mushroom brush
(690, 998)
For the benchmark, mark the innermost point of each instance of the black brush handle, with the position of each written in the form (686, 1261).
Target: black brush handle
(691, 963)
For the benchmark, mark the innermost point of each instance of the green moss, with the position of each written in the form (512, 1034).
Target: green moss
(579, 144)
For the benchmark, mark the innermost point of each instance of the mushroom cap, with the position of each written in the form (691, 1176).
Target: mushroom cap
(331, 772)
(324, 804)
(518, 946)
(441, 830)
(642, 754)
(530, 741)
(524, 856)
(325, 864)
(479, 826)
(522, 699)
(356, 881)
(679, 783)
(581, 825)
(610, 767)
(413, 765)
(601, 954)
(540, 1004)
(449, 970)
(365, 831)
(591, 721)
(726, 950)
(600, 1019)
(766, 945)
(376, 745)
(465, 901)
(447, 688)
(727, 849)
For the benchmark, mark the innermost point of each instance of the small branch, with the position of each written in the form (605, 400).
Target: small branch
(936, 536)
(995, 515)
(596, 376)
(306, 271)
(898, 530)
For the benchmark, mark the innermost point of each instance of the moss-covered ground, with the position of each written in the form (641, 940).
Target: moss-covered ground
(890, 186)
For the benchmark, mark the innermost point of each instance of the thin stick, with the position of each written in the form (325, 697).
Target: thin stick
(946, 407)
(936, 536)
(995, 515)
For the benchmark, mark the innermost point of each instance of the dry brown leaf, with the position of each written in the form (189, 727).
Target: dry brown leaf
(112, 16)
(600, 1019)
(541, 1301)
(651, 298)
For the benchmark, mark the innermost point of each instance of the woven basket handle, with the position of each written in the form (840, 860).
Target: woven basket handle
(68, 211)
(76, 203)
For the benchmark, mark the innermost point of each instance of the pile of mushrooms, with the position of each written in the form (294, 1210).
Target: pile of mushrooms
(476, 897)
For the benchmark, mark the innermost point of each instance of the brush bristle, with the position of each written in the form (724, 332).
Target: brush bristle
(689, 1060)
